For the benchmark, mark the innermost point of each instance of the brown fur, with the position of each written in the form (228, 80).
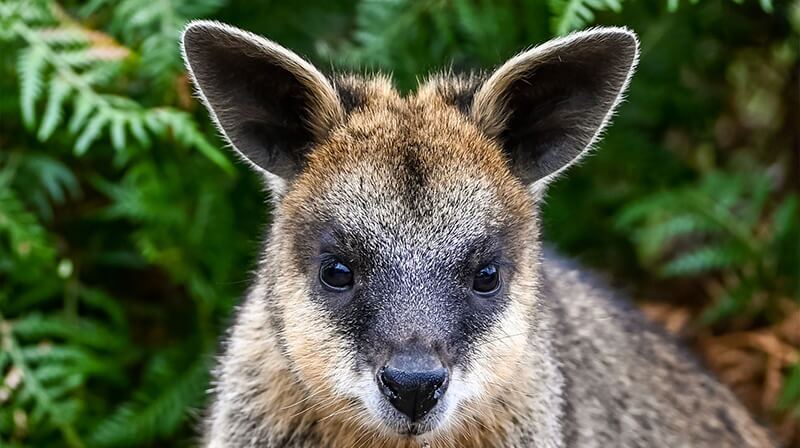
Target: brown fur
(450, 141)
(409, 181)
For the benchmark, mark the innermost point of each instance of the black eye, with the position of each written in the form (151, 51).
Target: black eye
(335, 275)
(486, 280)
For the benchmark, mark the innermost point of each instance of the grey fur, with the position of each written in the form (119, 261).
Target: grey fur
(413, 192)
(627, 383)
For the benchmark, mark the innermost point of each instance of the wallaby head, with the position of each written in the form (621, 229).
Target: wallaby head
(401, 271)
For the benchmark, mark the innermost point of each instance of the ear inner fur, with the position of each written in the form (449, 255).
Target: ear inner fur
(565, 116)
(219, 59)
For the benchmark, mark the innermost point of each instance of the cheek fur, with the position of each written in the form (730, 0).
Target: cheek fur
(319, 354)
(498, 353)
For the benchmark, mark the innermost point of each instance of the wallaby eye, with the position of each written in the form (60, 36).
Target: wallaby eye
(486, 280)
(335, 275)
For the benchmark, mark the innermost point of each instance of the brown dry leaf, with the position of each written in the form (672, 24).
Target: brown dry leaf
(674, 319)
(103, 46)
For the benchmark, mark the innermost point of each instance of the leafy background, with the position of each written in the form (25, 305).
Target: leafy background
(127, 235)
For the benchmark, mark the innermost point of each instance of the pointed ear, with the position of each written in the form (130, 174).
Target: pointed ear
(270, 104)
(547, 105)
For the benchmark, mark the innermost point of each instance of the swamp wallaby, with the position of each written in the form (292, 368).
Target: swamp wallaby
(403, 297)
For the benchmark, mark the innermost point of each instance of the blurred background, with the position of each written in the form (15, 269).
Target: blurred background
(128, 234)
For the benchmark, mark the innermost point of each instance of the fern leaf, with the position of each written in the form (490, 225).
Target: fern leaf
(570, 15)
(785, 220)
(185, 130)
(77, 59)
(138, 130)
(658, 204)
(33, 297)
(100, 74)
(82, 331)
(58, 181)
(63, 36)
(790, 395)
(654, 239)
(27, 237)
(31, 67)
(98, 299)
(59, 90)
(118, 132)
(83, 109)
(704, 259)
(672, 5)
(90, 133)
(148, 418)
(733, 302)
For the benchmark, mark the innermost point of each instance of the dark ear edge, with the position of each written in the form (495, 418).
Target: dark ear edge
(547, 105)
(269, 103)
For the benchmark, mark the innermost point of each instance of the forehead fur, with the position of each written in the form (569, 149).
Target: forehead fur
(407, 162)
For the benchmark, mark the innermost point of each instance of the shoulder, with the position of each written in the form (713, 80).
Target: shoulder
(628, 382)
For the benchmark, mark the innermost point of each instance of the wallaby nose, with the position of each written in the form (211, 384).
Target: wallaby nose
(413, 384)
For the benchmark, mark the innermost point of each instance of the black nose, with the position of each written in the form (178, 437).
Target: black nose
(413, 387)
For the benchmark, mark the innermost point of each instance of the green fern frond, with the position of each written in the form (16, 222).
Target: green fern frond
(27, 239)
(13, 12)
(30, 68)
(766, 5)
(704, 259)
(154, 29)
(721, 211)
(82, 110)
(733, 302)
(724, 223)
(91, 132)
(569, 15)
(100, 300)
(82, 331)
(651, 207)
(73, 74)
(59, 90)
(790, 394)
(51, 175)
(79, 359)
(151, 416)
(378, 26)
(653, 238)
(41, 400)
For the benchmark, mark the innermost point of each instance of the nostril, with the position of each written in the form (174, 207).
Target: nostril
(414, 393)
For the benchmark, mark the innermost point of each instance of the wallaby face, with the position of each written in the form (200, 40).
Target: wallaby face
(401, 273)
(410, 252)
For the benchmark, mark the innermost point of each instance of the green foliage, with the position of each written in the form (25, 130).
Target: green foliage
(126, 234)
(156, 410)
(93, 192)
(411, 38)
(51, 359)
(154, 28)
(74, 63)
(790, 398)
(722, 224)
(569, 15)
